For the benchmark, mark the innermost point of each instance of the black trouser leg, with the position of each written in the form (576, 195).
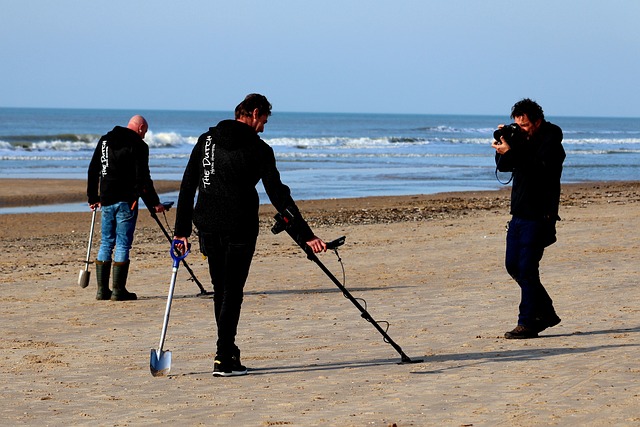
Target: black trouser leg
(229, 263)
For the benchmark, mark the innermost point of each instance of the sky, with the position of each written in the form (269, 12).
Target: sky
(574, 57)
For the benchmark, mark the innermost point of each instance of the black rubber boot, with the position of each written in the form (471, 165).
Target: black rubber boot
(120, 273)
(103, 271)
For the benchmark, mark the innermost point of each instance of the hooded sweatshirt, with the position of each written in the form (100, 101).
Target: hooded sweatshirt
(119, 170)
(225, 166)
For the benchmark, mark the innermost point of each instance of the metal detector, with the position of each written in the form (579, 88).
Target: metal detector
(286, 222)
(167, 206)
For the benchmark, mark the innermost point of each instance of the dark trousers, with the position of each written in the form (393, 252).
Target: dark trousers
(525, 247)
(229, 262)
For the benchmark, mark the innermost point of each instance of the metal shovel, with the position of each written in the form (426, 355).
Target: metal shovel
(160, 361)
(83, 278)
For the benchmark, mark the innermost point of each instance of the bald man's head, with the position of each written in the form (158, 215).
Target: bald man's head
(139, 125)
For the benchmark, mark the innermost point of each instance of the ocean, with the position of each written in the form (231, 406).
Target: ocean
(320, 155)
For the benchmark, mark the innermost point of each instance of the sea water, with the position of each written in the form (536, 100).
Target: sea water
(320, 155)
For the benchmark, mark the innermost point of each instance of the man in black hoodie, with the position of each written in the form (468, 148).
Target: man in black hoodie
(534, 156)
(118, 175)
(225, 165)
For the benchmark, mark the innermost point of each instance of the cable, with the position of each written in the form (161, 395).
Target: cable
(366, 316)
(167, 222)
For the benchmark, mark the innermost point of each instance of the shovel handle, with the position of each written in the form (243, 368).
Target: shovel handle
(177, 257)
(93, 223)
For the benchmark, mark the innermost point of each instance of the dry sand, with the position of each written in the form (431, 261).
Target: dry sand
(432, 266)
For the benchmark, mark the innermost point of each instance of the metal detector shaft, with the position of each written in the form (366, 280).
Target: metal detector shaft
(170, 239)
(365, 314)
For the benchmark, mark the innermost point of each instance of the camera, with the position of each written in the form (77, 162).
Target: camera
(512, 133)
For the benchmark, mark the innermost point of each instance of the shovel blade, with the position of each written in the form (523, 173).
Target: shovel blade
(160, 364)
(83, 278)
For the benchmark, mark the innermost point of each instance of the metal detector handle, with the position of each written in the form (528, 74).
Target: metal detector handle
(336, 243)
(176, 257)
(167, 206)
(332, 245)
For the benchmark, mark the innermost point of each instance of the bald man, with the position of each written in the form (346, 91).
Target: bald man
(118, 176)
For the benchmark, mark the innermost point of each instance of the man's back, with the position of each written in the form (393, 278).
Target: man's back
(120, 162)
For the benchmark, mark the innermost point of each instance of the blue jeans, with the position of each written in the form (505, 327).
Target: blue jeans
(525, 247)
(118, 226)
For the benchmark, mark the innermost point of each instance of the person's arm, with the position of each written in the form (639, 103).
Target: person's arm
(188, 187)
(93, 178)
(144, 183)
(280, 196)
(549, 162)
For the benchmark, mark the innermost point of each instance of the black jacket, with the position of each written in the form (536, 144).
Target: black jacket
(536, 164)
(119, 170)
(225, 166)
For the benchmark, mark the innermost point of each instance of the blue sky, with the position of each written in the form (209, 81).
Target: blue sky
(575, 57)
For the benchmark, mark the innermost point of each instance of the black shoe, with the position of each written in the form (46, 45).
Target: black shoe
(548, 322)
(521, 332)
(236, 366)
(229, 368)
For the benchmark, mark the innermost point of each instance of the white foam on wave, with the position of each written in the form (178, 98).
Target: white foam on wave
(168, 139)
(601, 141)
(344, 142)
(61, 145)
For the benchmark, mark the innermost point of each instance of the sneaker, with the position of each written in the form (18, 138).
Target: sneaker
(229, 369)
(236, 366)
(521, 332)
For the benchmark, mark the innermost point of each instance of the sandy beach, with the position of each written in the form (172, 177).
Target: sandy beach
(430, 265)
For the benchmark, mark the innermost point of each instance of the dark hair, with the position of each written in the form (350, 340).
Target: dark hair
(529, 108)
(250, 103)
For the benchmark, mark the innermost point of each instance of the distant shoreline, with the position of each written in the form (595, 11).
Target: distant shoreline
(17, 192)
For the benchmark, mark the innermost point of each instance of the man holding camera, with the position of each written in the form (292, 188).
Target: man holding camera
(533, 152)
(225, 165)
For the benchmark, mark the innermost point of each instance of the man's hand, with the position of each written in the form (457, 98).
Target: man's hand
(182, 247)
(502, 146)
(317, 245)
(159, 208)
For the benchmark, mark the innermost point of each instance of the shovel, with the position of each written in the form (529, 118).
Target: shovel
(160, 361)
(83, 278)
